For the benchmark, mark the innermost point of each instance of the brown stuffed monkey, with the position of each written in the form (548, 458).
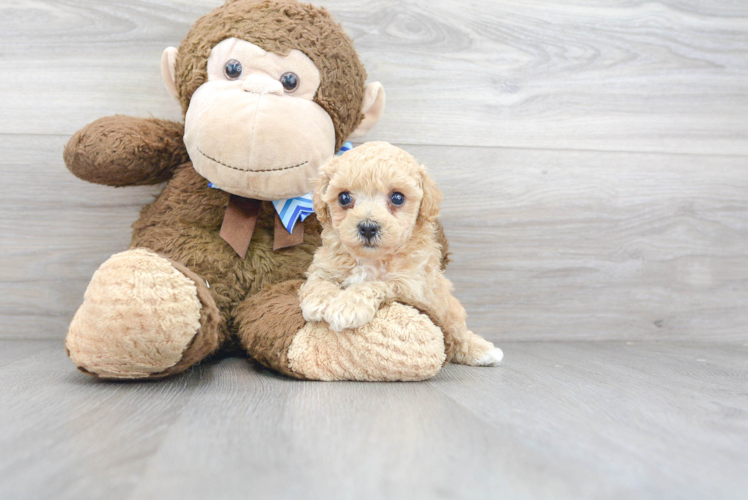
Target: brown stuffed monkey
(270, 90)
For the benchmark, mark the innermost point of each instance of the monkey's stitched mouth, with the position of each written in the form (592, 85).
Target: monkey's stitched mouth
(246, 170)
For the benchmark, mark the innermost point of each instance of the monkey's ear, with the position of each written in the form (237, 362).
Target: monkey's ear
(372, 109)
(429, 209)
(168, 70)
(320, 207)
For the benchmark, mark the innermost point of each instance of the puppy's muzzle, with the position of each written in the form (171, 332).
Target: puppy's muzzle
(368, 230)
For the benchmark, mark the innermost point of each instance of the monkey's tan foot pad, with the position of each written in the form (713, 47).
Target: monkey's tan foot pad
(399, 344)
(138, 317)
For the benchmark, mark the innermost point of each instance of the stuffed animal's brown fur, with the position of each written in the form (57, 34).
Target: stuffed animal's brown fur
(182, 292)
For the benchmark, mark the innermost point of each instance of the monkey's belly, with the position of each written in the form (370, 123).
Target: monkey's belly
(184, 223)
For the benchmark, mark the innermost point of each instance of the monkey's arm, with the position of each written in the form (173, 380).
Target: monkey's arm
(126, 151)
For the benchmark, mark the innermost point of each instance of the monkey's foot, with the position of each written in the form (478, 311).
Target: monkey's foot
(142, 316)
(400, 343)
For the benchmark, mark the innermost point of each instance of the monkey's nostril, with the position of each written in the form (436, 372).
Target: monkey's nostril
(368, 229)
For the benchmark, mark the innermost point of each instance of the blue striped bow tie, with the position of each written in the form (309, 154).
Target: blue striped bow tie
(241, 216)
(292, 210)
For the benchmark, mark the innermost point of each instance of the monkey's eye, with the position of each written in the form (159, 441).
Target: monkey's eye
(397, 199)
(233, 69)
(344, 199)
(290, 81)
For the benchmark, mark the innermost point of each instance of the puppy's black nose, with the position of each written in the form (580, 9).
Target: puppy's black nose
(368, 229)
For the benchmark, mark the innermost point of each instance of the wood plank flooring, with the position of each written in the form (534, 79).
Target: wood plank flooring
(558, 420)
(626, 76)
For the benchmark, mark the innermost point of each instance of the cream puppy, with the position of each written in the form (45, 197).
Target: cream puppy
(378, 209)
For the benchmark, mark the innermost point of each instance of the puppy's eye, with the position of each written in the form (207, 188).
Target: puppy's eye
(397, 199)
(290, 81)
(233, 69)
(344, 199)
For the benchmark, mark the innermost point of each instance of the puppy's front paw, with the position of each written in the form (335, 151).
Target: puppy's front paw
(312, 310)
(342, 314)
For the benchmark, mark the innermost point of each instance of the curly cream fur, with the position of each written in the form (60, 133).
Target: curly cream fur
(350, 278)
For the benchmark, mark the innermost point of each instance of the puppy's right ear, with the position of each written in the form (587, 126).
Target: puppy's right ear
(320, 207)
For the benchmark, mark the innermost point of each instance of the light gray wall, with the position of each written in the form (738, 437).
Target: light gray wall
(593, 155)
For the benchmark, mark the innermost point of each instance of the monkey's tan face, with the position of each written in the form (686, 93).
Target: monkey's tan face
(373, 204)
(253, 128)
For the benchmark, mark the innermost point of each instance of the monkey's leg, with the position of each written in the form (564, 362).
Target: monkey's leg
(143, 316)
(399, 344)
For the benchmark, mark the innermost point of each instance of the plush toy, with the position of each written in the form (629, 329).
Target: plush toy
(270, 90)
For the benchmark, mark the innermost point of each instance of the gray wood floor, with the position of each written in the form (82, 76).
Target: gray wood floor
(559, 420)
(594, 161)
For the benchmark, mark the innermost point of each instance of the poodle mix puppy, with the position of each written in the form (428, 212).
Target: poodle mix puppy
(378, 209)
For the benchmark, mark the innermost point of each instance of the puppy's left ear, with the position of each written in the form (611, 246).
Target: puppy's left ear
(429, 209)
(320, 207)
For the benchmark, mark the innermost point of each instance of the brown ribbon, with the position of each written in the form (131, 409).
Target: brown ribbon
(239, 225)
(283, 239)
